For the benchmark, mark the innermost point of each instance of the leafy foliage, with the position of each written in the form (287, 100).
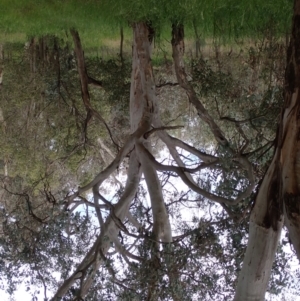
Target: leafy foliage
(50, 147)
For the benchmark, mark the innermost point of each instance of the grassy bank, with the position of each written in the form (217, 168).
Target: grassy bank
(100, 21)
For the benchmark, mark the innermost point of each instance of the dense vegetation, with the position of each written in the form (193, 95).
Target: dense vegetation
(65, 116)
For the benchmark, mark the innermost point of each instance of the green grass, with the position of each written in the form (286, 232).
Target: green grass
(41, 17)
(99, 20)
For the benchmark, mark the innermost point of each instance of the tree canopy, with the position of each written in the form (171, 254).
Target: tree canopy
(147, 176)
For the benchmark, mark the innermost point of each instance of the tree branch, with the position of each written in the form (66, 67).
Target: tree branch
(177, 52)
(149, 133)
(84, 80)
(109, 229)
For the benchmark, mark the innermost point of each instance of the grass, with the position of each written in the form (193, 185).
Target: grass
(99, 21)
(37, 18)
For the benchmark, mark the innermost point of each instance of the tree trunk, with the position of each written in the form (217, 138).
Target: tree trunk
(290, 157)
(1, 52)
(121, 44)
(279, 194)
(265, 227)
(142, 99)
(142, 96)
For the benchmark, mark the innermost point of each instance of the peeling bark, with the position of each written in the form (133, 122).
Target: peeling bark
(255, 274)
(279, 195)
(290, 157)
(143, 101)
(265, 227)
(142, 89)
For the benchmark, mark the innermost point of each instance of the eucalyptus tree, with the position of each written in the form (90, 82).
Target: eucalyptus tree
(141, 245)
(277, 201)
(155, 252)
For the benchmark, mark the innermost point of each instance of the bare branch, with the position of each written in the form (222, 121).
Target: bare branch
(85, 202)
(178, 51)
(108, 231)
(124, 151)
(166, 84)
(125, 253)
(84, 80)
(191, 184)
(177, 169)
(241, 121)
(149, 133)
(201, 155)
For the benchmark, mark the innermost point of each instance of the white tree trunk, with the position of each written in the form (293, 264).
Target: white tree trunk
(142, 100)
(279, 194)
(264, 233)
(290, 157)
